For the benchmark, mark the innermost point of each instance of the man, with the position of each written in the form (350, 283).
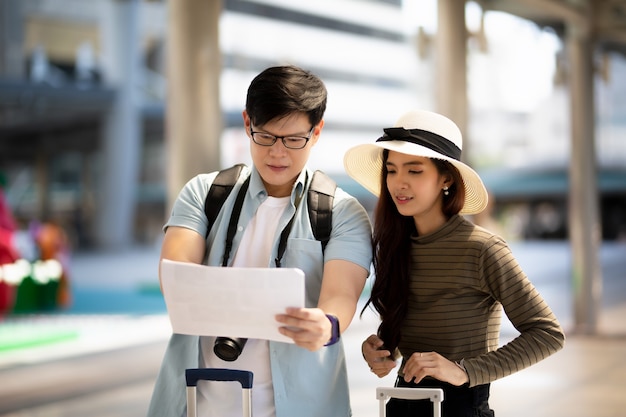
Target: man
(283, 118)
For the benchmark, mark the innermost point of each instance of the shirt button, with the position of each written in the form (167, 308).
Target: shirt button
(239, 228)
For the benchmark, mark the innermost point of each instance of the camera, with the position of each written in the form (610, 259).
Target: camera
(229, 348)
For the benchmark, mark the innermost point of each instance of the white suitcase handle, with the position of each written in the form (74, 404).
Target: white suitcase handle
(434, 394)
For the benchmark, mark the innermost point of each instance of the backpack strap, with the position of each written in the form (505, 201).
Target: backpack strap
(321, 196)
(234, 220)
(219, 191)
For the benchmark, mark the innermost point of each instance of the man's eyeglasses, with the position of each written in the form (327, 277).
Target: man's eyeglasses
(290, 142)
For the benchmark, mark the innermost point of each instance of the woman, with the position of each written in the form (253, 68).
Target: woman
(441, 281)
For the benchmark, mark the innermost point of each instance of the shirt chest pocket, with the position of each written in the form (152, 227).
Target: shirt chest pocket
(306, 254)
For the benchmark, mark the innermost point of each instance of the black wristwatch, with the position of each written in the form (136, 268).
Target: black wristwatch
(335, 333)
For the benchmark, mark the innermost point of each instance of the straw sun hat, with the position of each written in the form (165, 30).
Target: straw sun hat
(419, 133)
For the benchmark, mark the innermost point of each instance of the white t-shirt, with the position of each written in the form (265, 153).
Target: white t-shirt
(223, 399)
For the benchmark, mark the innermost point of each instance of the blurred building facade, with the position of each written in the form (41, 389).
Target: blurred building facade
(83, 88)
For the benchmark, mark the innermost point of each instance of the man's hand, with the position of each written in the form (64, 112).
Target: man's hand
(308, 327)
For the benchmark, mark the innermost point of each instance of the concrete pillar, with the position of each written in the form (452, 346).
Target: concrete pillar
(451, 63)
(194, 116)
(11, 39)
(584, 221)
(122, 136)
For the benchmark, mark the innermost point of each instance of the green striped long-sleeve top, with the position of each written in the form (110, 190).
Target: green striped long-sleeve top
(461, 277)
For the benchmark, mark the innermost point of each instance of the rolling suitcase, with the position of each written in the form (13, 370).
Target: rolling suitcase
(434, 394)
(216, 374)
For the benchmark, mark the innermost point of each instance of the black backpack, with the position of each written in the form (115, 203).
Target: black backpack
(320, 200)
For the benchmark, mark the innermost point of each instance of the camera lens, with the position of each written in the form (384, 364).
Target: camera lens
(228, 349)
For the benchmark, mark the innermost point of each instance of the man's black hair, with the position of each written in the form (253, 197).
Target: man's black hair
(284, 90)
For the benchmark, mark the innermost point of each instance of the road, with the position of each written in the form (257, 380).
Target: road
(111, 383)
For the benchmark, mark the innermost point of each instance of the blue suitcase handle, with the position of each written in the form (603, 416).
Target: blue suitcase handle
(217, 374)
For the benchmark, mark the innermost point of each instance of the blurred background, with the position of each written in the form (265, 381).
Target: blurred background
(108, 106)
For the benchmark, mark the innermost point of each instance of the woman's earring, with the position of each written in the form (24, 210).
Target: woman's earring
(445, 190)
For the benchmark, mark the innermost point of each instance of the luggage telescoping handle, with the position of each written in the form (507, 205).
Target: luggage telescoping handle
(216, 374)
(434, 394)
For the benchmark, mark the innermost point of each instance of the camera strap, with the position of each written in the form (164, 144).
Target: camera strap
(282, 245)
(234, 219)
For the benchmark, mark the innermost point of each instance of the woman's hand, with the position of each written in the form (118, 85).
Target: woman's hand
(308, 327)
(422, 364)
(378, 359)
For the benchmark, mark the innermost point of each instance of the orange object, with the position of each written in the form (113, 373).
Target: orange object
(53, 244)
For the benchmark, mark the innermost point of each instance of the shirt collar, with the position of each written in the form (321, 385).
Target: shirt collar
(257, 189)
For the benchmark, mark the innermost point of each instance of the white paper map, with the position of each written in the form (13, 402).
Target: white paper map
(234, 302)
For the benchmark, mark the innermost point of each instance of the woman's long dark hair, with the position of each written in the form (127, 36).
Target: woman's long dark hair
(391, 241)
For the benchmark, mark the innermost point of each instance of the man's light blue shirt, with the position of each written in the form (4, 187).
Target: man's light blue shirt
(306, 384)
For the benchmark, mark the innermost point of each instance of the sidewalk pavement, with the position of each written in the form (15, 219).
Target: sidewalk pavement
(586, 379)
